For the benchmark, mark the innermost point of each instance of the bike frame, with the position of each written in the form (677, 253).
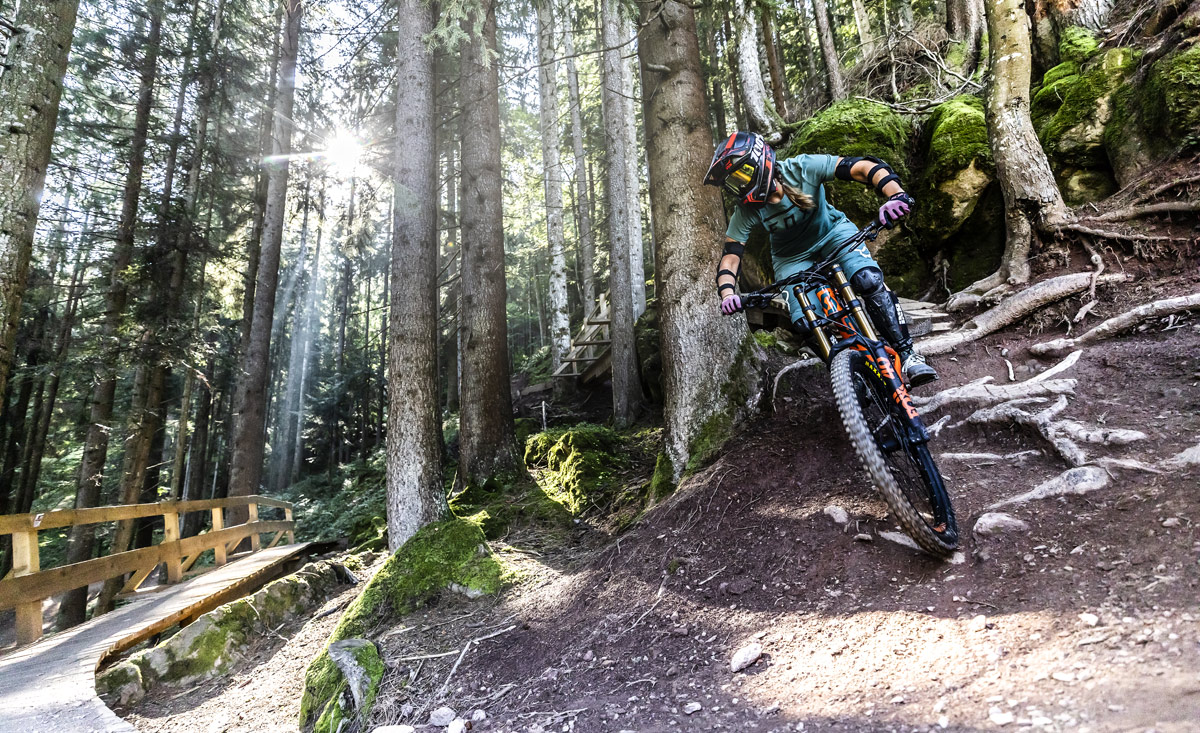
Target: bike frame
(842, 312)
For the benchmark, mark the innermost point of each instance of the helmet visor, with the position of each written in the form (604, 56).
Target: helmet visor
(736, 180)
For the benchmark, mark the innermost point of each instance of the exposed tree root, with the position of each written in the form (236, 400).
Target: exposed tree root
(1080, 480)
(802, 364)
(1099, 436)
(1043, 422)
(1109, 234)
(992, 394)
(1189, 457)
(1134, 212)
(1060, 367)
(1166, 187)
(1014, 309)
(1116, 325)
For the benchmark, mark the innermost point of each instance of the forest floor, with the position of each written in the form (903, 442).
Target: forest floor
(1089, 620)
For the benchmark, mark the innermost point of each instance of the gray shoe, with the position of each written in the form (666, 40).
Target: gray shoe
(916, 371)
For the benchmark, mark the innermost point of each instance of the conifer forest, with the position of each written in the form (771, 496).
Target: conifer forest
(418, 322)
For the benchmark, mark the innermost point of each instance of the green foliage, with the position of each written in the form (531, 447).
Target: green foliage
(537, 365)
(351, 503)
(662, 483)
(649, 355)
(765, 339)
(855, 127)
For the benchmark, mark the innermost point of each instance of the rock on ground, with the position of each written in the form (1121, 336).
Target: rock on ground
(994, 523)
(746, 656)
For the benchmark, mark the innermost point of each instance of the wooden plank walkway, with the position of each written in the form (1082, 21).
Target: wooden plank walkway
(50, 686)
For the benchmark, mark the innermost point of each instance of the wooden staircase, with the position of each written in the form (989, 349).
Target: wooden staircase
(591, 349)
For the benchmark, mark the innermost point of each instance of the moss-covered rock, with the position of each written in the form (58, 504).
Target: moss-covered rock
(1175, 80)
(440, 555)
(121, 684)
(974, 251)
(523, 427)
(903, 261)
(350, 687)
(855, 127)
(662, 483)
(1077, 44)
(209, 646)
(577, 464)
(958, 167)
(1073, 135)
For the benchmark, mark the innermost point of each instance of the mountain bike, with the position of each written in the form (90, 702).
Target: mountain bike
(876, 409)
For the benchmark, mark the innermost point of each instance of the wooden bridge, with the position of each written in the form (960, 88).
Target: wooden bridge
(50, 685)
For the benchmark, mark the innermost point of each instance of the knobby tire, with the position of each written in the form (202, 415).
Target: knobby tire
(941, 543)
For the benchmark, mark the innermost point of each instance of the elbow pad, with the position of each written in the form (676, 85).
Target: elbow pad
(842, 172)
(733, 248)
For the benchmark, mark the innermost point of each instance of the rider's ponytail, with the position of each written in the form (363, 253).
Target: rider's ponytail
(797, 197)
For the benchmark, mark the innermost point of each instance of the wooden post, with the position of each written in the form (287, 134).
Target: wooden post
(218, 524)
(171, 534)
(26, 562)
(255, 540)
(291, 535)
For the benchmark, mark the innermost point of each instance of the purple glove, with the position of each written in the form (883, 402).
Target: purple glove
(895, 208)
(732, 304)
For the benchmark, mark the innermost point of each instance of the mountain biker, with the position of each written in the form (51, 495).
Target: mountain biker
(788, 200)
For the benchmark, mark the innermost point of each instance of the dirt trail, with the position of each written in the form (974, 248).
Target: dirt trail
(867, 635)
(1087, 621)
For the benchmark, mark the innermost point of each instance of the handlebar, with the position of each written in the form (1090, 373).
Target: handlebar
(761, 297)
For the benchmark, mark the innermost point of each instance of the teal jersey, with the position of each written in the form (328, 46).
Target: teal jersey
(795, 232)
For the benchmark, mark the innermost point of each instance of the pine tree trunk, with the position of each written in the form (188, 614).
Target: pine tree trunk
(633, 179)
(774, 67)
(905, 11)
(964, 24)
(247, 462)
(1031, 196)
(560, 323)
(486, 445)
(698, 344)
(415, 495)
(862, 22)
(627, 393)
(72, 610)
(833, 67)
(30, 91)
(587, 241)
(754, 95)
(810, 63)
(731, 64)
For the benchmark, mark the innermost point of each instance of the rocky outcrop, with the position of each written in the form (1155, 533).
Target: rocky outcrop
(349, 685)
(210, 645)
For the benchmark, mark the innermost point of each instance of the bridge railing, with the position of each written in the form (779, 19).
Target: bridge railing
(27, 585)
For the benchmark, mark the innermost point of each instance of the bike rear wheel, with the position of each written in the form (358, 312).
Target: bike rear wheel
(904, 473)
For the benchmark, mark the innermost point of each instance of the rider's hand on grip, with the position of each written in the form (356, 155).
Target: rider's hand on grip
(732, 304)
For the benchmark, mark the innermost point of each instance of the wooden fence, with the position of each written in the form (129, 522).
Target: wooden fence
(27, 585)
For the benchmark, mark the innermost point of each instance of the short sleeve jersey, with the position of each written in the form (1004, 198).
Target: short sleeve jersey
(793, 230)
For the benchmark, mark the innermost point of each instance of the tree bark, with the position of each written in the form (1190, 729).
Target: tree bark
(627, 393)
(1031, 196)
(560, 323)
(633, 178)
(583, 205)
(95, 452)
(964, 23)
(30, 91)
(778, 80)
(486, 444)
(754, 95)
(246, 467)
(414, 446)
(862, 23)
(810, 63)
(833, 67)
(697, 342)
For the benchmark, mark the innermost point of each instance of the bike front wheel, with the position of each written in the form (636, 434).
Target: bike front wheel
(902, 471)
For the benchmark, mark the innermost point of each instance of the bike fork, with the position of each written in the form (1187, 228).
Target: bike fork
(914, 427)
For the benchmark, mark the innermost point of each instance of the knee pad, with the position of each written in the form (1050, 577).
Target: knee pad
(867, 281)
